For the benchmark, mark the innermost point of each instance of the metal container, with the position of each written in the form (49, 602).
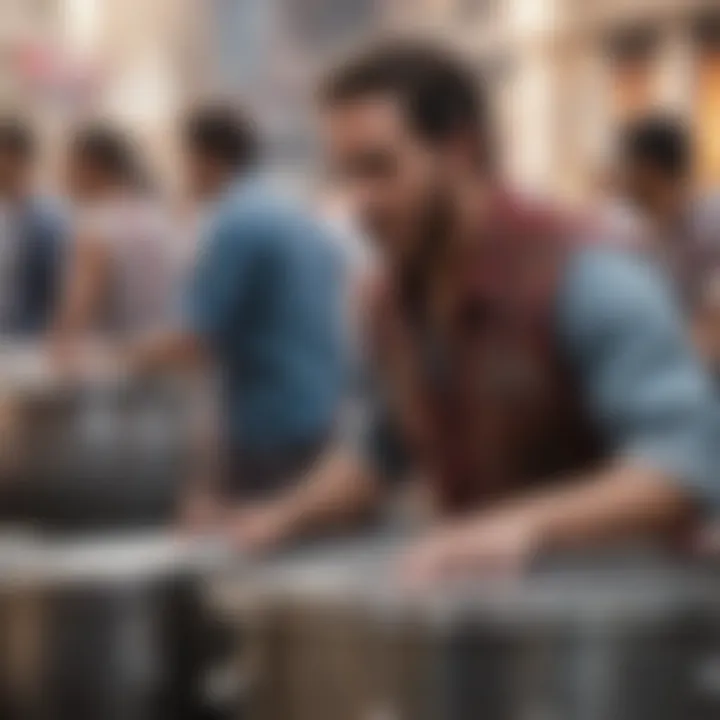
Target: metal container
(91, 627)
(107, 627)
(329, 634)
(94, 454)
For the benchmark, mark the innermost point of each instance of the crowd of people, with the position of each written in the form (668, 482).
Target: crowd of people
(543, 376)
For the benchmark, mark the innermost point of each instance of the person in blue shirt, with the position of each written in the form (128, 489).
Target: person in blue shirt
(32, 237)
(264, 303)
(589, 417)
(656, 167)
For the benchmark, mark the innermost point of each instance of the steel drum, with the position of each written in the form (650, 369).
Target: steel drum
(95, 627)
(328, 633)
(92, 454)
(102, 627)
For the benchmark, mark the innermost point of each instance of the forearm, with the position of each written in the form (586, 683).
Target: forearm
(170, 351)
(337, 493)
(621, 502)
(207, 450)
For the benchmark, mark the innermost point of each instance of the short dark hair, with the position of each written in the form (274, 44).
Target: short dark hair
(17, 139)
(223, 133)
(108, 149)
(660, 141)
(440, 94)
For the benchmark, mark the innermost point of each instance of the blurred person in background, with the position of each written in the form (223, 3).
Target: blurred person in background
(657, 163)
(264, 307)
(617, 218)
(541, 383)
(121, 275)
(32, 237)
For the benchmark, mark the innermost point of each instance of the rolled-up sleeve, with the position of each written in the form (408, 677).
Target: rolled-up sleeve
(653, 402)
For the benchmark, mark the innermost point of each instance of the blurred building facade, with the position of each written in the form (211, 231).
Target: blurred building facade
(566, 73)
(269, 54)
(132, 60)
(563, 73)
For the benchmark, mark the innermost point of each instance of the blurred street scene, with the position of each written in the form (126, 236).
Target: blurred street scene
(359, 359)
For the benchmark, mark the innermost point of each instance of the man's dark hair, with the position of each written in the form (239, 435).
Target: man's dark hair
(108, 149)
(440, 95)
(663, 143)
(17, 139)
(224, 134)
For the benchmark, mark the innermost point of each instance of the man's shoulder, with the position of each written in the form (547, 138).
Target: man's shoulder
(603, 267)
(609, 288)
(249, 202)
(260, 207)
(241, 222)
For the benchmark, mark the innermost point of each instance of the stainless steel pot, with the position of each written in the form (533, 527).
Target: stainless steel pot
(332, 635)
(91, 627)
(90, 455)
(101, 628)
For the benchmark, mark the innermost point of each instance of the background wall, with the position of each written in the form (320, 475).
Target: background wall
(563, 73)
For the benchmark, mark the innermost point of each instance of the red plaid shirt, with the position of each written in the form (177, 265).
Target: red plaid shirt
(490, 407)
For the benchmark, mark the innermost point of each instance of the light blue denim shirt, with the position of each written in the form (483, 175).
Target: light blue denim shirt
(267, 298)
(645, 386)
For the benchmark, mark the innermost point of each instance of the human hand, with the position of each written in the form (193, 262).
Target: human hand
(503, 542)
(201, 511)
(260, 527)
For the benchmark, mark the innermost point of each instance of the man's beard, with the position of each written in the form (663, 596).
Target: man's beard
(434, 230)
